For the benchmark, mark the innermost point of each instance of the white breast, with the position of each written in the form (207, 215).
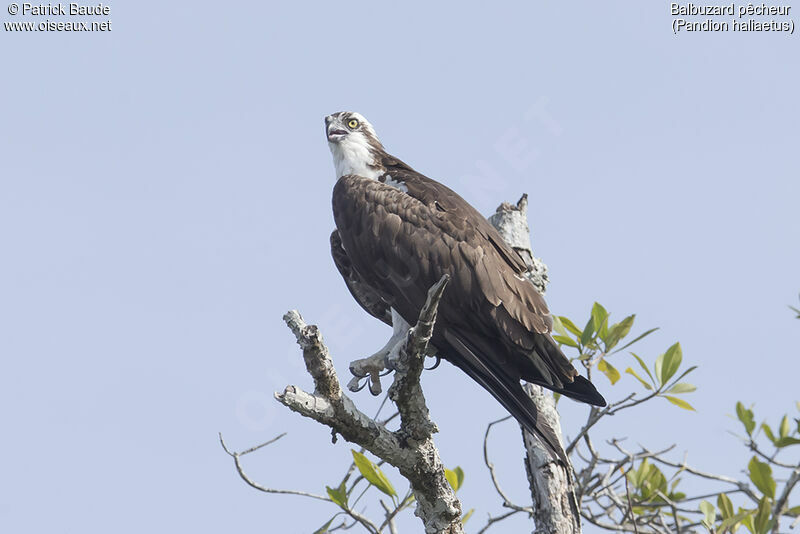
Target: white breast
(352, 155)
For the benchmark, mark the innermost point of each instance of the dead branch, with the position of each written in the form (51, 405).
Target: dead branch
(411, 448)
(556, 507)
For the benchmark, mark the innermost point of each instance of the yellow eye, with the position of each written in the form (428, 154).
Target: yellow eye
(352, 124)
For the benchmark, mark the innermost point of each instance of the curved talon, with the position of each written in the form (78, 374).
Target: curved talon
(354, 385)
(386, 372)
(357, 375)
(375, 387)
(435, 365)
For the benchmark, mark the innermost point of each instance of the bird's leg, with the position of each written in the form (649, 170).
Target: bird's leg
(372, 366)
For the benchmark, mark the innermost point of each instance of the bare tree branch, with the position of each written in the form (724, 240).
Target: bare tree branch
(782, 501)
(389, 517)
(490, 466)
(256, 485)
(411, 449)
(630, 504)
(494, 520)
(556, 507)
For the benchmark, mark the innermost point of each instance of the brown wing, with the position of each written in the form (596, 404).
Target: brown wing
(401, 243)
(366, 296)
(432, 193)
(491, 322)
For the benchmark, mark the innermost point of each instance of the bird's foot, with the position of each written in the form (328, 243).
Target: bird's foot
(436, 363)
(374, 367)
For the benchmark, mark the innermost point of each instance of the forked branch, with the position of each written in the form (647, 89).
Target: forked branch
(411, 448)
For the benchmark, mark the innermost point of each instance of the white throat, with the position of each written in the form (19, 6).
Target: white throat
(352, 155)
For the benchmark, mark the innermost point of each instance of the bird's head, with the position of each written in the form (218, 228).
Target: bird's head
(354, 144)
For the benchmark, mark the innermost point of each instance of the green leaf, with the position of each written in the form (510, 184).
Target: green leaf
(636, 476)
(600, 318)
(668, 363)
(626, 345)
(451, 478)
(725, 506)
(324, 528)
(657, 367)
(373, 474)
(603, 332)
(794, 511)
(746, 417)
(618, 331)
(338, 495)
(683, 387)
(467, 516)
(632, 372)
(785, 442)
(558, 326)
(455, 477)
(783, 430)
(768, 431)
(588, 331)
(459, 475)
(569, 325)
(686, 372)
(633, 475)
(761, 521)
(730, 524)
(709, 514)
(565, 340)
(747, 520)
(648, 480)
(680, 402)
(677, 496)
(655, 480)
(644, 366)
(609, 370)
(761, 476)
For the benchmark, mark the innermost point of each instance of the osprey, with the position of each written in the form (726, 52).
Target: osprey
(398, 232)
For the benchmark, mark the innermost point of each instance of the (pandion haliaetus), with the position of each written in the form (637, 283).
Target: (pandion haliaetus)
(398, 232)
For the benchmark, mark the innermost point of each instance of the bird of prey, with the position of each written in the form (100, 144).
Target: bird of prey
(398, 232)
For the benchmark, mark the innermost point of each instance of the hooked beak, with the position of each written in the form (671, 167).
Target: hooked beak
(334, 131)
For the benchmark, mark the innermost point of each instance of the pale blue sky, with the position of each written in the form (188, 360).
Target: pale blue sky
(165, 198)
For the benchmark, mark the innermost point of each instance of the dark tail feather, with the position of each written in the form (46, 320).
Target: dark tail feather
(508, 391)
(582, 390)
